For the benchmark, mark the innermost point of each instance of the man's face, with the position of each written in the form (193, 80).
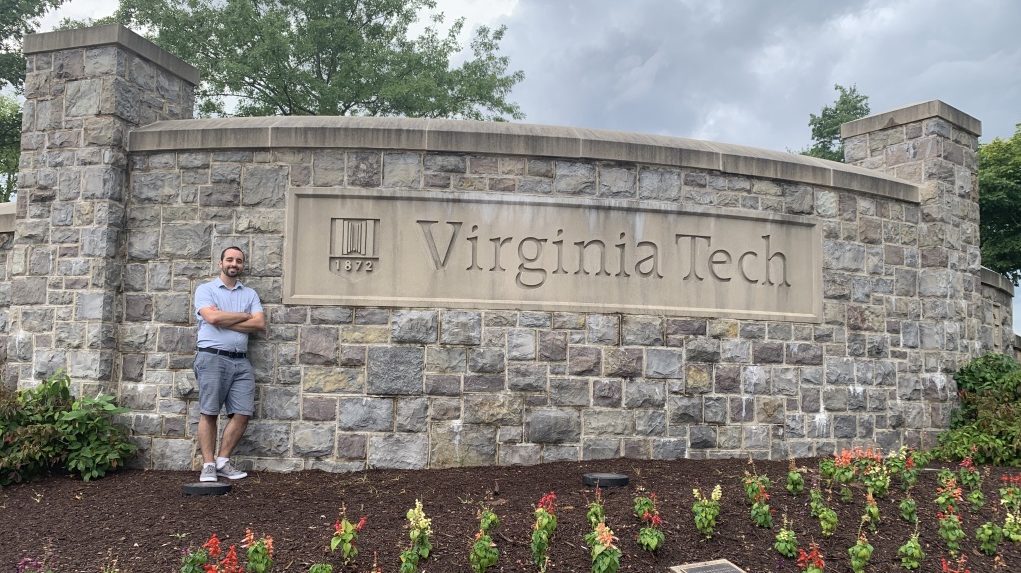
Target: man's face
(232, 263)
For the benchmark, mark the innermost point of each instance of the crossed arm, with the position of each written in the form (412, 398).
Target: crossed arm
(247, 322)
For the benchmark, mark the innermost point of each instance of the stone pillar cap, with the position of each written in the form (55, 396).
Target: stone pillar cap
(909, 114)
(110, 34)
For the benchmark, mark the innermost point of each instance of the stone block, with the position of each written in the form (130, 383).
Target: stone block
(603, 329)
(661, 184)
(684, 410)
(553, 426)
(318, 345)
(280, 403)
(526, 377)
(521, 344)
(702, 437)
(644, 394)
(455, 444)
(553, 346)
(461, 327)
(638, 330)
(600, 448)
(584, 360)
(313, 440)
(486, 360)
(412, 414)
(414, 326)
(171, 454)
(622, 362)
(502, 409)
(398, 451)
(607, 393)
(520, 454)
(402, 170)
(333, 380)
(569, 392)
(575, 178)
(366, 414)
(264, 185)
(395, 370)
(265, 439)
(186, 240)
(607, 423)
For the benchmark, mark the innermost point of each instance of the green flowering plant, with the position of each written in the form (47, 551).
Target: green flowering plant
(762, 514)
(911, 554)
(258, 552)
(596, 513)
(1012, 527)
(909, 509)
(543, 529)
(950, 529)
(871, 516)
(948, 495)
(828, 521)
(815, 502)
(1010, 493)
(706, 510)
(904, 464)
(420, 531)
(605, 554)
(484, 553)
(786, 541)
(795, 478)
(976, 499)
(876, 479)
(345, 534)
(861, 553)
(195, 560)
(968, 475)
(650, 536)
(753, 483)
(988, 536)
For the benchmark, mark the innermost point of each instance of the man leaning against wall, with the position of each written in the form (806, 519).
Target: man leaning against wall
(227, 312)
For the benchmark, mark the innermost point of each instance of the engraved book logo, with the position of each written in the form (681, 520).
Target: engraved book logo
(354, 246)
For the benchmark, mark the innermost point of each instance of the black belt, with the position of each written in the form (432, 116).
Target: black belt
(226, 353)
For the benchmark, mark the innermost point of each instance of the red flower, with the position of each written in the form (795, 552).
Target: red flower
(361, 523)
(213, 546)
(230, 562)
(548, 502)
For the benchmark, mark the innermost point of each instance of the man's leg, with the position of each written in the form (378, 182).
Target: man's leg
(231, 435)
(207, 436)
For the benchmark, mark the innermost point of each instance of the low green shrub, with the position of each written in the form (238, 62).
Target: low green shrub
(45, 428)
(984, 425)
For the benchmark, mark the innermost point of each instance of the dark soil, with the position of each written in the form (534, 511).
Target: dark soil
(142, 521)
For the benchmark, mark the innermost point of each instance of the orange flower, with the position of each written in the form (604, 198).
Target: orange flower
(361, 523)
(604, 535)
(249, 538)
(269, 545)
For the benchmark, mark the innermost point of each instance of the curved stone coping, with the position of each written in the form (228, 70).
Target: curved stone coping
(463, 136)
(7, 214)
(994, 279)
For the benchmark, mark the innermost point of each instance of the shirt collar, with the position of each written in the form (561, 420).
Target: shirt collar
(219, 283)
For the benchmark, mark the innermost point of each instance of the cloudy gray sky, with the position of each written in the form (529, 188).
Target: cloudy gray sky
(743, 71)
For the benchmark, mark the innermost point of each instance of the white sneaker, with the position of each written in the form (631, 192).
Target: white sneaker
(208, 473)
(230, 472)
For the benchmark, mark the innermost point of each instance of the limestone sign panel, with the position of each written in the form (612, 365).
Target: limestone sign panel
(490, 251)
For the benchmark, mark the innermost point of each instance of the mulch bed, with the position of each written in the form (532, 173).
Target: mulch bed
(141, 519)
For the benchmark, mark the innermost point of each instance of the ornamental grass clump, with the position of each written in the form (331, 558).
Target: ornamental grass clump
(543, 529)
(420, 531)
(706, 510)
(650, 536)
(484, 553)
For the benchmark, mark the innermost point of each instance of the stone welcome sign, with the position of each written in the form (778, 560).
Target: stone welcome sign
(352, 247)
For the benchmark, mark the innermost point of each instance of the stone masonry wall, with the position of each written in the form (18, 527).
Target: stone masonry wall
(64, 271)
(347, 388)
(110, 245)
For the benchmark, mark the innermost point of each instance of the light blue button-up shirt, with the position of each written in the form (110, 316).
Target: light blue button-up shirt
(237, 299)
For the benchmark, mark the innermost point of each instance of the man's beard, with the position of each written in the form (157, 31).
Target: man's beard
(232, 271)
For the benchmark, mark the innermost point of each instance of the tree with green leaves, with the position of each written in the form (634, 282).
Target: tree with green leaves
(849, 106)
(10, 146)
(999, 181)
(17, 18)
(330, 57)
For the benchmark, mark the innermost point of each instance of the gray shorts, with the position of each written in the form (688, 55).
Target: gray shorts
(224, 382)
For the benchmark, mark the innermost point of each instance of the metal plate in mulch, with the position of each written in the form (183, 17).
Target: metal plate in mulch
(205, 488)
(605, 479)
(718, 566)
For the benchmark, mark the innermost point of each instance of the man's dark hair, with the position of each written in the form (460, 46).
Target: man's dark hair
(231, 248)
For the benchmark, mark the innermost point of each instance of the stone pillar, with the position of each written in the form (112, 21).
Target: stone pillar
(936, 147)
(84, 90)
